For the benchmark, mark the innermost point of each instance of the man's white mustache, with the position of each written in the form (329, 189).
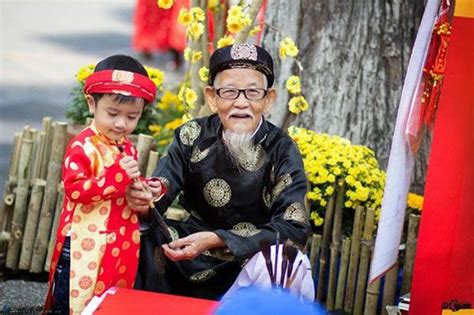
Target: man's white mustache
(239, 114)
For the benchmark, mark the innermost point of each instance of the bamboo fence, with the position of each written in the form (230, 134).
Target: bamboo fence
(33, 197)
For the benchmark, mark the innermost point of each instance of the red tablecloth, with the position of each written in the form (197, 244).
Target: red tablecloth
(125, 301)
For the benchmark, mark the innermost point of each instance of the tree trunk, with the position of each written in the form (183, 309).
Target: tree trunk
(354, 56)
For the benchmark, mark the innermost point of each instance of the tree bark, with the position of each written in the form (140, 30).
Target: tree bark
(354, 56)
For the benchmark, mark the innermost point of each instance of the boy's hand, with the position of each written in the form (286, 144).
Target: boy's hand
(130, 166)
(137, 199)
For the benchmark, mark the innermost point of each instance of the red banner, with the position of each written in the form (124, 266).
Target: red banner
(444, 264)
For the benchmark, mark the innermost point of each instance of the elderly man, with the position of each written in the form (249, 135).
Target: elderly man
(240, 180)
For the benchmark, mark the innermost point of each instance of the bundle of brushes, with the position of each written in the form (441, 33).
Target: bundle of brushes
(289, 253)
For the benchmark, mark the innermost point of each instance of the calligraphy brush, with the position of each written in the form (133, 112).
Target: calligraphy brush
(266, 251)
(157, 215)
(284, 262)
(292, 279)
(276, 254)
(292, 252)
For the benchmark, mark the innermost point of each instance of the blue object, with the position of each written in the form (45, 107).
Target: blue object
(254, 301)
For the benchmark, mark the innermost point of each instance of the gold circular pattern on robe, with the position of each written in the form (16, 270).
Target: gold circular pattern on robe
(252, 162)
(217, 192)
(198, 155)
(267, 198)
(245, 229)
(189, 132)
(202, 275)
(283, 182)
(296, 212)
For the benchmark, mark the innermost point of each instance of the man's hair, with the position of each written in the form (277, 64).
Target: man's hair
(120, 62)
(265, 80)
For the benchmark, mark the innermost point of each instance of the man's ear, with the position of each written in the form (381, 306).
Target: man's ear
(269, 100)
(91, 103)
(210, 96)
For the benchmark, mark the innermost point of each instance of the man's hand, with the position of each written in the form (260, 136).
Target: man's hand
(130, 166)
(137, 199)
(192, 246)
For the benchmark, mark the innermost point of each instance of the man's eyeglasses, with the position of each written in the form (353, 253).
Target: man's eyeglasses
(250, 94)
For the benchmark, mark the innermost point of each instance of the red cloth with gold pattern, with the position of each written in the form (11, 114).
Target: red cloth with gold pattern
(104, 231)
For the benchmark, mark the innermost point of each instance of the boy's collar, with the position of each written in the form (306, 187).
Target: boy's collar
(103, 136)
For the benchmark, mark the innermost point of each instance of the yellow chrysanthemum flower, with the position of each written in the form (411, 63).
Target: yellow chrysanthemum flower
(214, 5)
(293, 84)
(198, 14)
(190, 96)
(234, 26)
(196, 56)
(297, 104)
(255, 30)
(415, 201)
(165, 4)
(235, 11)
(318, 221)
(187, 53)
(155, 129)
(287, 48)
(195, 30)
(185, 17)
(172, 125)
(85, 72)
(204, 74)
(156, 75)
(186, 118)
(225, 41)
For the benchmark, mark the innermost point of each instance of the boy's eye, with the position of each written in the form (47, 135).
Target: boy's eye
(112, 114)
(132, 117)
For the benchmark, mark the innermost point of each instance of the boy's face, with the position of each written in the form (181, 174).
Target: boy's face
(115, 119)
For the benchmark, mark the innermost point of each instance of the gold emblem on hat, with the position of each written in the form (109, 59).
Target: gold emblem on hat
(243, 51)
(122, 76)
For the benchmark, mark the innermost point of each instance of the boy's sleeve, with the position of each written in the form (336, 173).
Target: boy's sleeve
(80, 183)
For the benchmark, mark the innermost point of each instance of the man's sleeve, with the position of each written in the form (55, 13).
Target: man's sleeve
(286, 199)
(170, 170)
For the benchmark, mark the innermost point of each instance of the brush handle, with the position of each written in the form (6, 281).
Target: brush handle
(290, 281)
(276, 256)
(283, 270)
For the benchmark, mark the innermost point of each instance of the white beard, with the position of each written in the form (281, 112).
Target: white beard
(240, 146)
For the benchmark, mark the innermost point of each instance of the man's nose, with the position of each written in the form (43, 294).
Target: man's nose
(241, 100)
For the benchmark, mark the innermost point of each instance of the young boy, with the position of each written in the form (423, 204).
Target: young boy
(97, 244)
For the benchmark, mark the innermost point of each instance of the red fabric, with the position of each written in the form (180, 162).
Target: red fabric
(87, 184)
(140, 302)
(444, 268)
(121, 82)
(158, 29)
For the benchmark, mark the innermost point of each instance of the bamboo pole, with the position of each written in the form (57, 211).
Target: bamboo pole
(314, 252)
(34, 208)
(49, 200)
(8, 196)
(143, 145)
(39, 155)
(364, 261)
(34, 137)
(353, 259)
(390, 288)
(335, 245)
(219, 24)
(341, 280)
(413, 222)
(48, 130)
(151, 165)
(57, 215)
(323, 256)
(372, 297)
(21, 204)
(205, 36)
